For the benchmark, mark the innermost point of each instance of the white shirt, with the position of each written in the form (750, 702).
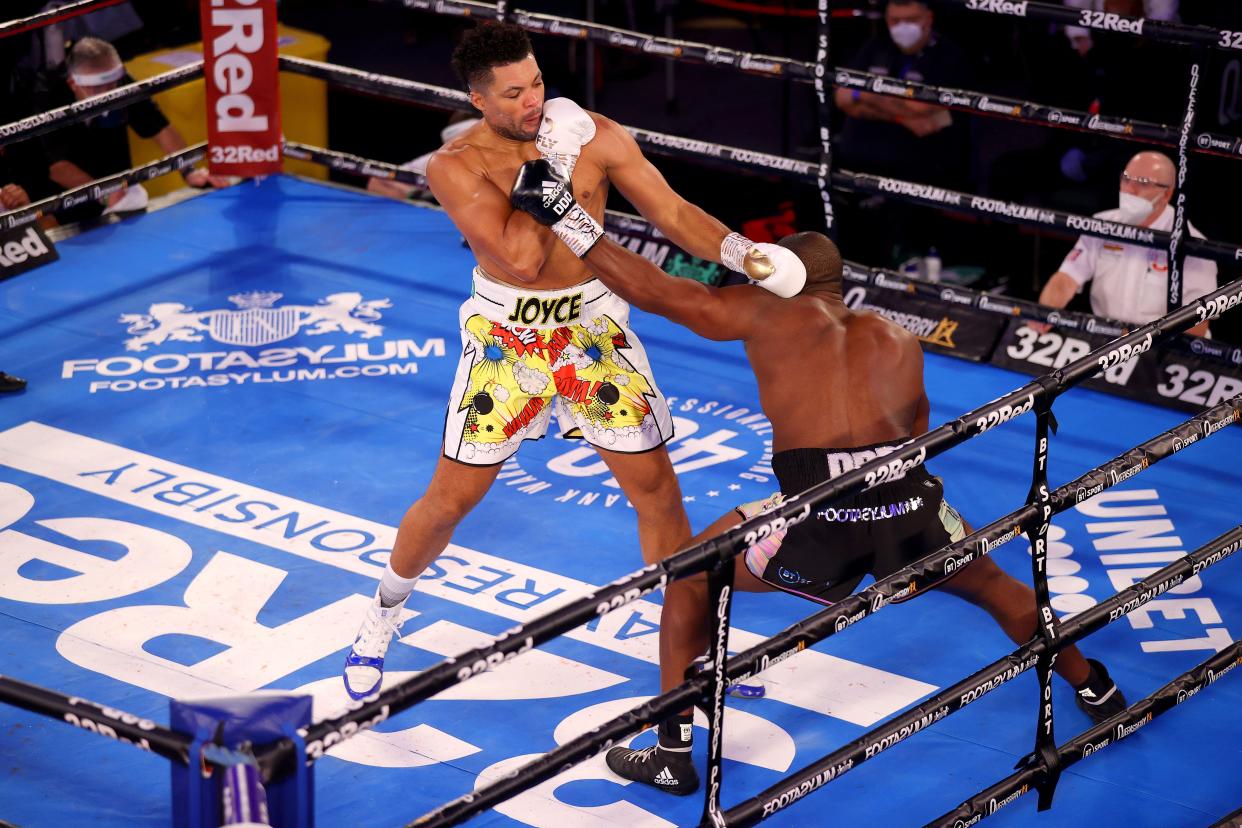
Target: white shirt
(1131, 282)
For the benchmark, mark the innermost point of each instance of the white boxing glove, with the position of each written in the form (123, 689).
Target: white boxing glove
(771, 266)
(565, 130)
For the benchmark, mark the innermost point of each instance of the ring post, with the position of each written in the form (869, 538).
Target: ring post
(220, 725)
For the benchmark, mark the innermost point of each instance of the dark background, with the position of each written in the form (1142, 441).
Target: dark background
(1018, 58)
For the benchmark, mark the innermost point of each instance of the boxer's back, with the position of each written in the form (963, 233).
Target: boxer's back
(832, 377)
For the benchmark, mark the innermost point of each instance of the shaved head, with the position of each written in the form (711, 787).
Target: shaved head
(1155, 166)
(1150, 176)
(822, 260)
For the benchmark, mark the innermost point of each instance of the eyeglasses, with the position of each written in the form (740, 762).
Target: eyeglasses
(1144, 182)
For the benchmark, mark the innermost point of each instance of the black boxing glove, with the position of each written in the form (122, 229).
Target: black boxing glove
(547, 196)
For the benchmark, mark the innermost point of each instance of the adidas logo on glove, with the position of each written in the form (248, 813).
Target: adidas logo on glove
(556, 195)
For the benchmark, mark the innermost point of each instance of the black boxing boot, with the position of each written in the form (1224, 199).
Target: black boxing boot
(667, 765)
(1099, 696)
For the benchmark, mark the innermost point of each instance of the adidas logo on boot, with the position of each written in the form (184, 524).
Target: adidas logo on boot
(1101, 698)
(668, 770)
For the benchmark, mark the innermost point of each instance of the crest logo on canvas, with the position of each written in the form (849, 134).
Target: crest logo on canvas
(256, 321)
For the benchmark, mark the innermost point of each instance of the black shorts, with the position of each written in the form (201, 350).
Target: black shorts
(875, 532)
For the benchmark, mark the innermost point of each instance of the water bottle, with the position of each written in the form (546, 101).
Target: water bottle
(931, 265)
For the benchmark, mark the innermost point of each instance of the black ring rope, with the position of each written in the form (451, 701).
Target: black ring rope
(1015, 308)
(815, 72)
(1018, 109)
(625, 39)
(77, 111)
(636, 225)
(143, 734)
(952, 699)
(1009, 307)
(51, 16)
(806, 172)
(106, 186)
(845, 613)
(1159, 30)
(1008, 790)
(357, 165)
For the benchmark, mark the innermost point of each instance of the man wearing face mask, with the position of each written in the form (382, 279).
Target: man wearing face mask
(1130, 282)
(900, 138)
(897, 137)
(99, 146)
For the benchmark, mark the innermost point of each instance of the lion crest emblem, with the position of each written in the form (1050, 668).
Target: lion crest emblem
(257, 320)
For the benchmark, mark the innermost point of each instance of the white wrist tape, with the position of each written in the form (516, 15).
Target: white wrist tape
(578, 230)
(733, 250)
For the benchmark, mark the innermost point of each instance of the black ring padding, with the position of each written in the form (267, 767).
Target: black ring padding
(143, 734)
(1011, 307)
(103, 187)
(1011, 788)
(952, 699)
(1160, 30)
(44, 18)
(81, 110)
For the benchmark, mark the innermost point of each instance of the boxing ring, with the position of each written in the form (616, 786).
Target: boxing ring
(194, 506)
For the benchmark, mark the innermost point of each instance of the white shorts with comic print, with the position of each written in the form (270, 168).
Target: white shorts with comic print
(526, 351)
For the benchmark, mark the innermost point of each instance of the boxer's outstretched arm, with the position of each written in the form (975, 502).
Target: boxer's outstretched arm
(714, 313)
(686, 225)
(484, 216)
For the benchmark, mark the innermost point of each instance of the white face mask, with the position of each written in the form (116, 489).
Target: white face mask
(906, 34)
(1134, 208)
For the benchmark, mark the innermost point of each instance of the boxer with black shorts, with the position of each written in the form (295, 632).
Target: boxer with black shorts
(828, 377)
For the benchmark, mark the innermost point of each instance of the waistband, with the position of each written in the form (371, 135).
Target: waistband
(799, 469)
(536, 308)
